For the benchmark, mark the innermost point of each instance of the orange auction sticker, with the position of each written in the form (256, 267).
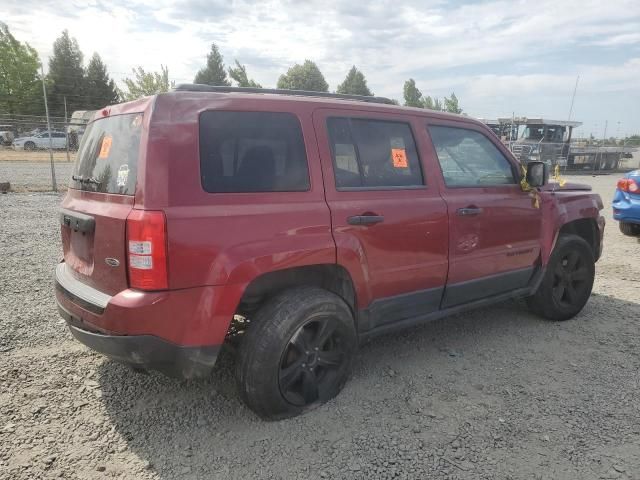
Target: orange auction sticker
(106, 146)
(399, 157)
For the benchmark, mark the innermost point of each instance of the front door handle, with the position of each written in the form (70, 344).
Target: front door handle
(365, 219)
(469, 211)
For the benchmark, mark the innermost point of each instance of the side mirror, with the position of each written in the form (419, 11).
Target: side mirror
(537, 174)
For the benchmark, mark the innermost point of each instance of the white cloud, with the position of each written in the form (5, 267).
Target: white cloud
(487, 51)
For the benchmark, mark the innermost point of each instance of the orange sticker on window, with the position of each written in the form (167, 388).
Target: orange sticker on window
(106, 147)
(399, 157)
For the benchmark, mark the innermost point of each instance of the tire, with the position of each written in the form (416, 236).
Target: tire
(281, 370)
(567, 281)
(630, 229)
(30, 146)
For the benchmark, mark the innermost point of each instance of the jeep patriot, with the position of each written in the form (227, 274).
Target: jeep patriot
(296, 225)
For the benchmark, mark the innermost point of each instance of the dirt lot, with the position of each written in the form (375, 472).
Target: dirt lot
(8, 154)
(494, 394)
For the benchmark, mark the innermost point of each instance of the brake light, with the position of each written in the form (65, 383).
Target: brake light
(628, 185)
(147, 250)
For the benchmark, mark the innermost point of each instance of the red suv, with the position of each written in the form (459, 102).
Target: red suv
(297, 225)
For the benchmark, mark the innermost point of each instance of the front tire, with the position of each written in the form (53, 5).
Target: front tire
(297, 354)
(567, 282)
(29, 146)
(629, 229)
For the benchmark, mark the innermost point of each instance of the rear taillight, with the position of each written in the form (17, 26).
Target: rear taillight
(147, 250)
(628, 185)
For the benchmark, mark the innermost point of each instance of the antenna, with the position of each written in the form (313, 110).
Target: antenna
(573, 97)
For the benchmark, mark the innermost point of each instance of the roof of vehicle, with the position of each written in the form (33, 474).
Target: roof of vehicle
(203, 93)
(195, 87)
(539, 121)
(300, 96)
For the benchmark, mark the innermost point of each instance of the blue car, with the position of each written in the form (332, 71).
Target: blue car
(626, 203)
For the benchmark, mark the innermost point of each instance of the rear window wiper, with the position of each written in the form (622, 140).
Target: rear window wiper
(81, 179)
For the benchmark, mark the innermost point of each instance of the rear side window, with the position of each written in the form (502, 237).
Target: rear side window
(252, 152)
(107, 160)
(373, 153)
(469, 159)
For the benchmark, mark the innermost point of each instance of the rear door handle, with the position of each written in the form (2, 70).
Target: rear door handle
(469, 211)
(365, 219)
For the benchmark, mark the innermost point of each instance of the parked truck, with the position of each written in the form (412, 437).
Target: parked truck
(550, 141)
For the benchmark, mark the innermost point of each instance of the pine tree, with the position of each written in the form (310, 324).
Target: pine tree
(100, 90)
(239, 74)
(304, 77)
(354, 83)
(66, 76)
(214, 72)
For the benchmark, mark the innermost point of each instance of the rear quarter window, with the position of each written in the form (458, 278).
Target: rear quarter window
(252, 152)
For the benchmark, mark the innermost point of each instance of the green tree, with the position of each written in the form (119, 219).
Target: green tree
(239, 74)
(146, 83)
(213, 73)
(632, 140)
(66, 76)
(304, 77)
(354, 83)
(20, 88)
(412, 96)
(100, 89)
(451, 104)
(432, 103)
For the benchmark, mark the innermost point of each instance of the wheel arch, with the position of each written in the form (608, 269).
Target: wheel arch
(331, 277)
(586, 228)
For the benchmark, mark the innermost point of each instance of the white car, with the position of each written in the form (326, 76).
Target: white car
(41, 140)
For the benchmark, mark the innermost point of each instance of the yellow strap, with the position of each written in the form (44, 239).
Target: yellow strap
(556, 176)
(535, 197)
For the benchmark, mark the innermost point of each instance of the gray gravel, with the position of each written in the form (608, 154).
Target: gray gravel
(496, 393)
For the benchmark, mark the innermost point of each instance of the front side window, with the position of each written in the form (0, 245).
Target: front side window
(252, 152)
(469, 159)
(373, 153)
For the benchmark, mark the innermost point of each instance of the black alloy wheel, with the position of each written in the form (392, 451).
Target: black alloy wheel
(313, 362)
(570, 279)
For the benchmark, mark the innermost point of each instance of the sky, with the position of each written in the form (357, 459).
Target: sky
(499, 57)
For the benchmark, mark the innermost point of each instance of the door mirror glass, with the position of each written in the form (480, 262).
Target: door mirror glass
(537, 174)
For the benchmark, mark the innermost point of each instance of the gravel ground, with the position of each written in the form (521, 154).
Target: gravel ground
(494, 394)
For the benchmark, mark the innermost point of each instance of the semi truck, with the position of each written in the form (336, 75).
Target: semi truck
(550, 141)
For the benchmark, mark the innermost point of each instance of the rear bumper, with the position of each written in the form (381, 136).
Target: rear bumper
(147, 351)
(178, 332)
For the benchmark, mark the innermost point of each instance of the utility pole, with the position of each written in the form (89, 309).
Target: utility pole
(573, 97)
(46, 109)
(66, 127)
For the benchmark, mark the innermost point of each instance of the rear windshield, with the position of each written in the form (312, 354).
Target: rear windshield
(108, 156)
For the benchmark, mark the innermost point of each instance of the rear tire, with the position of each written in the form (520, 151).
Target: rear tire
(629, 229)
(567, 282)
(297, 354)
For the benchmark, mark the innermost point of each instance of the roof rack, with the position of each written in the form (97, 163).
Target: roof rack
(196, 87)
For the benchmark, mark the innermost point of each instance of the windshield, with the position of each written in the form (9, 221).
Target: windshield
(533, 132)
(107, 159)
